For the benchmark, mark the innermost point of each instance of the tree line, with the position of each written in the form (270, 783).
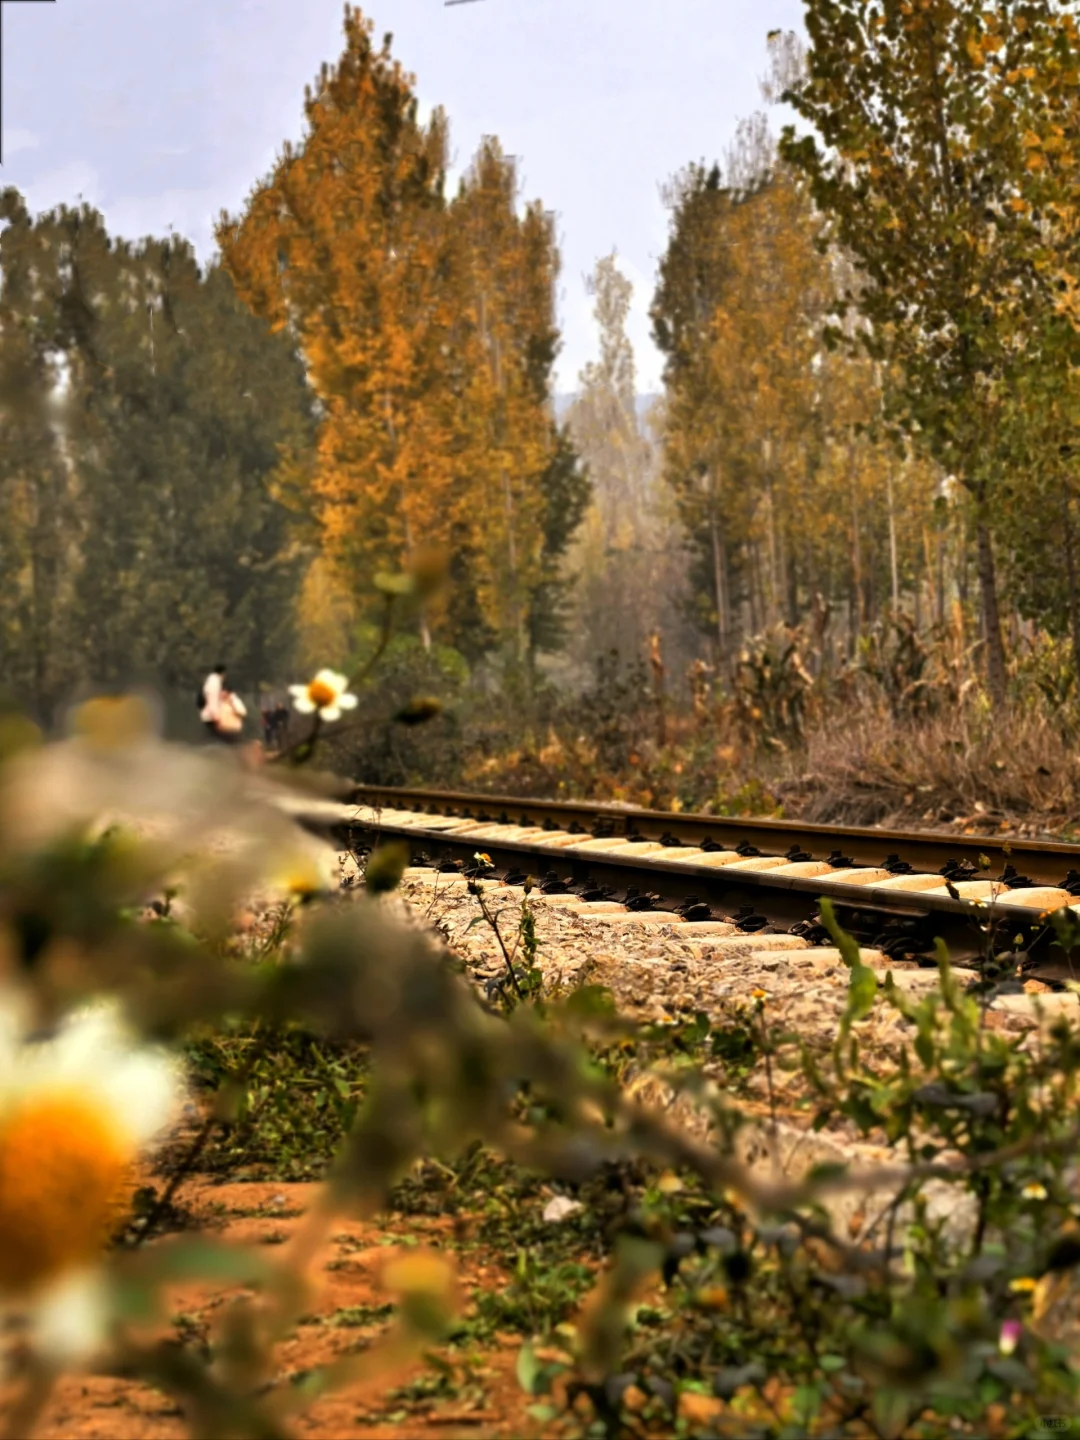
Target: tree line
(869, 336)
(869, 333)
(218, 462)
(148, 422)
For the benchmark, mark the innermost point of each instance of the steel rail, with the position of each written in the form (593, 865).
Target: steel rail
(758, 873)
(1046, 861)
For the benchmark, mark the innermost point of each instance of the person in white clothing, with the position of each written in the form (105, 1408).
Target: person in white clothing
(231, 712)
(210, 695)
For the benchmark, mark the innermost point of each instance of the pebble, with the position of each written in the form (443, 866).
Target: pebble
(658, 974)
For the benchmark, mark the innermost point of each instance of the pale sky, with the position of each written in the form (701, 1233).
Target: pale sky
(163, 112)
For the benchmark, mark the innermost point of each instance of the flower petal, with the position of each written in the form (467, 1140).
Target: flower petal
(71, 1318)
(303, 704)
(95, 1053)
(330, 712)
(347, 701)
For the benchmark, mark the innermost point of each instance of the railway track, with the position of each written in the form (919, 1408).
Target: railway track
(896, 891)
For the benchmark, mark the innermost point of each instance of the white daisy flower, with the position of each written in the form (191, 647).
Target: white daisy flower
(328, 694)
(76, 1110)
(301, 871)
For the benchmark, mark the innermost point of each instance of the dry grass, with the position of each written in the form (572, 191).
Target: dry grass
(969, 767)
(1012, 769)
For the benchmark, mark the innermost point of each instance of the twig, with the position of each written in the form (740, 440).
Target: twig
(493, 921)
(357, 678)
(197, 1146)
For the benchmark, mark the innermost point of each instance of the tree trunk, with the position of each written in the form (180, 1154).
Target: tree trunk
(940, 580)
(1071, 580)
(656, 661)
(755, 587)
(991, 615)
(962, 544)
(775, 587)
(720, 582)
(855, 602)
(893, 568)
(791, 581)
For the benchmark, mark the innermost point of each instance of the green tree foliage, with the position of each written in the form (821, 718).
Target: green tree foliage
(154, 428)
(942, 158)
(566, 490)
(790, 505)
(694, 272)
(37, 519)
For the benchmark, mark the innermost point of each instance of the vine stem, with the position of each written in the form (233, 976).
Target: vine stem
(356, 678)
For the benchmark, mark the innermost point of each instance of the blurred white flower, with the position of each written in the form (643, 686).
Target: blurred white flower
(304, 870)
(72, 1317)
(328, 694)
(76, 1110)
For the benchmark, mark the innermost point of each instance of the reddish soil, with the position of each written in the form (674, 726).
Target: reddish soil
(485, 1400)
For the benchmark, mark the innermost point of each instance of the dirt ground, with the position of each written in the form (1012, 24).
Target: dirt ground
(472, 1388)
(481, 1399)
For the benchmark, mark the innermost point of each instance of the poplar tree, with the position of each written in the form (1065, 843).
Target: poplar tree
(788, 501)
(503, 276)
(428, 331)
(39, 527)
(942, 154)
(618, 553)
(343, 246)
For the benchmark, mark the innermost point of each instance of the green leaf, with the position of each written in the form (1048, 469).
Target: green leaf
(805, 1403)
(205, 1260)
(845, 943)
(826, 1171)
(394, 585)
(890, 1409)
(385, 867)
(863, 986)
(527, 1368)
(591, 1002)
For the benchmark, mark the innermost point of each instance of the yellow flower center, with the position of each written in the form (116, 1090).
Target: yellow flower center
(302, 882)
(320, 694)
(63, 1181)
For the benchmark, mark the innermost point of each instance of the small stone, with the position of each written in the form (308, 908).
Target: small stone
(634, 1399)
(561, 1208)
(699, 1409)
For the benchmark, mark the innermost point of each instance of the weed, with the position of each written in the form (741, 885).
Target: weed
(298, 1098)
(358, 1316)
(537, 1296)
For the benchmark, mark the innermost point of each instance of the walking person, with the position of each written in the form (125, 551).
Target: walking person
(231, 712)
(210, 700)
(281, 725)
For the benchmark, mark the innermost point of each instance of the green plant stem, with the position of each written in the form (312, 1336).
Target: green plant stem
(493, 922)
(199, 1143)
(357, 678)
